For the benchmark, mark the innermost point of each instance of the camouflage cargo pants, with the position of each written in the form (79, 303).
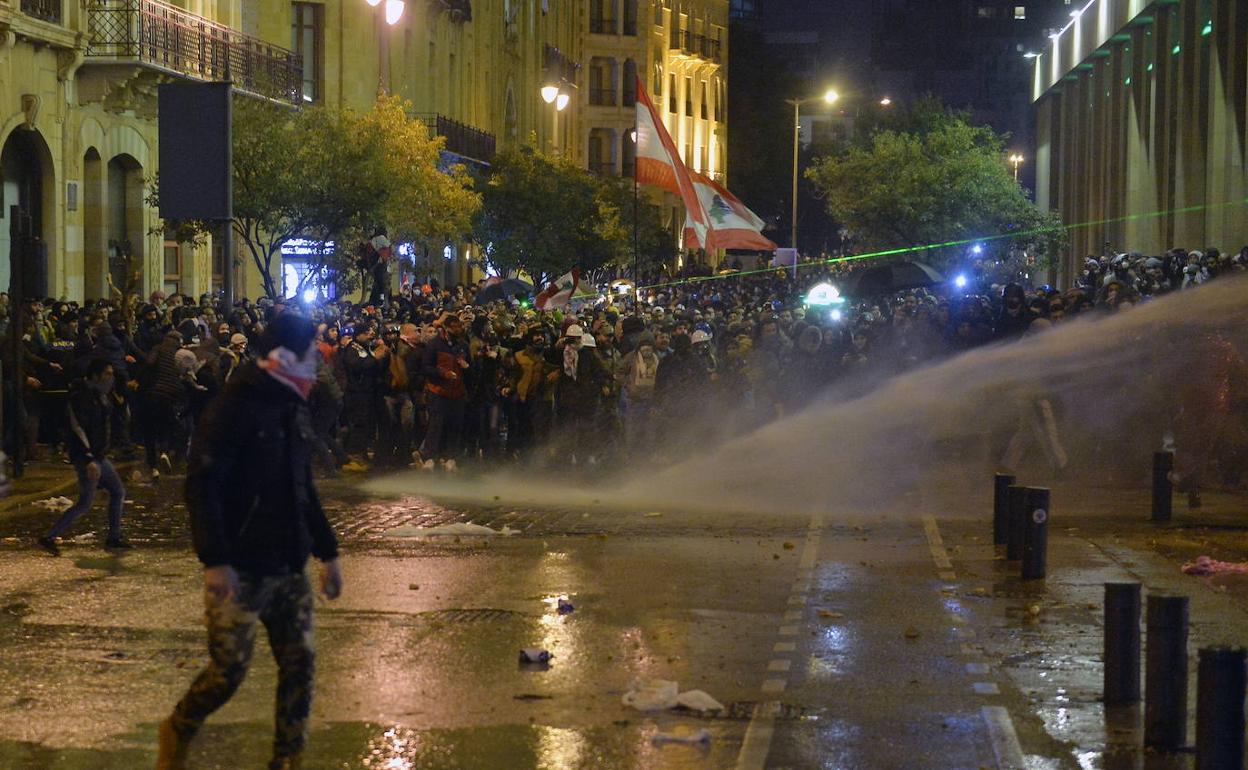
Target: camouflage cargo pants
(284, 604)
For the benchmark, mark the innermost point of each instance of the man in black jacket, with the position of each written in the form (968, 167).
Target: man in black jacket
(255, 519)
(89, 415)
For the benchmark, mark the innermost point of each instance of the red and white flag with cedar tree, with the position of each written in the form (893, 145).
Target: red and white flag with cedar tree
(559, 292)
(715, 218)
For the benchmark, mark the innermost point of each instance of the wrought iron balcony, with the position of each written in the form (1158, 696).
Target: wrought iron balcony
(461, 139)
(47, 10)
(169, 38)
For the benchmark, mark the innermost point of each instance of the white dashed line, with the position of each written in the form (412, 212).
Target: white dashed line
(1004, 739)
(774, 686)
(986, 688)
(784, 647)
(788, 630)
(780, 665)
(979, 669)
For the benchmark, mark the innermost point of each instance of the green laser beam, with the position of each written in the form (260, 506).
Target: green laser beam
(959, 242)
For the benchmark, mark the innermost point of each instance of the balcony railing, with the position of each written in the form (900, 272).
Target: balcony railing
(701, 45)
(602, 97)
(161, 35)
(462, 139)
(47, 10)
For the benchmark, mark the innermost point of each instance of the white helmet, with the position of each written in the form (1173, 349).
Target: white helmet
(700, 336)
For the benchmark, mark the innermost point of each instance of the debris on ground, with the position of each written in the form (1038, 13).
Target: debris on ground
(653, 514)
(912, 633)
(535, 655)
(458, 529)
(830, 615)
(698, 700)
(1204, 566)
(54, 504)
(565, 607)
(663, 694)
(653, 695)
(700, 738)
(530, 696)
(788, 546)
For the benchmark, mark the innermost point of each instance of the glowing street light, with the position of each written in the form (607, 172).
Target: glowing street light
(886, 101)
(831, 96)
(373, 3)
(394, 11)
(561, 101)
(549, 93)
(1017, 160)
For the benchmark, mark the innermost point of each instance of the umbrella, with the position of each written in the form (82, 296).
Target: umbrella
(891, 278)
(502, 290)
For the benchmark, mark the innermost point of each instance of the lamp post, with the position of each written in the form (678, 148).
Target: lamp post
(388, 14)
(555, 94)
(829, 98)
(1017, 160)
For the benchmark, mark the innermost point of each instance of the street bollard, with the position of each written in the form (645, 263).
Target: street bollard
(1122, 644)
(1165, 673)
(1163, 487)
(1220, 688)
(1001, 508)
(1035, 533)
(1016, 522)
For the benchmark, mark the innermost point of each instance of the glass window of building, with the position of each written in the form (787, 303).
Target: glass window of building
(307, 32)
(1020, 12)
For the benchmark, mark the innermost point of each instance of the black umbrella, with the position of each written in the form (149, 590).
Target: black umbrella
(503, 290)
(891, 278)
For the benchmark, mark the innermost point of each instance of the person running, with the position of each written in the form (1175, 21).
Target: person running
(255, 519)
(90, 415)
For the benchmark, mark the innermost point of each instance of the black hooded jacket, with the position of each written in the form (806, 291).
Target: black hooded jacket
(249, 485)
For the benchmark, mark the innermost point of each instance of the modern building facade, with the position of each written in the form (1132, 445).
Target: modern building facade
(679, 49)
(1141, 126)
(78, 109)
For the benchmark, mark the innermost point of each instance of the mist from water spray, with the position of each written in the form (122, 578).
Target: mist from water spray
(927, 435)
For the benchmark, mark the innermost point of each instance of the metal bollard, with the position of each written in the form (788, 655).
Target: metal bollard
(1165, 673)
(1035, 533)
(1163, 487)
(1122, 644)
(1220, 687)
(1016, 522)
(1001, 484)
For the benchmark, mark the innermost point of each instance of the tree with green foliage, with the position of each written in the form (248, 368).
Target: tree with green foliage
(332, 176)
(543, 215)
(932, 180)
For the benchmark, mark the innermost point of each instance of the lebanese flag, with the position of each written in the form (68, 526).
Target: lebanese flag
(659, 163)
(559, 292)
(732, 224)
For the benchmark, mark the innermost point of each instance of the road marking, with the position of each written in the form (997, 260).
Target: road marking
(762, 727)
(950, 576)
(935, 544)
(774, 686)
(1004, 739)
(757, 743)
(986, 688)
(977, 668)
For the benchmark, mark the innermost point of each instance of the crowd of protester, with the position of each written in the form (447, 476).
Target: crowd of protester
(429, 379)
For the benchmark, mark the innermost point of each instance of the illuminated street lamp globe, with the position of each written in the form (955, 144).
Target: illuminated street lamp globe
(823, 295)
(831, 96)
(550, 93)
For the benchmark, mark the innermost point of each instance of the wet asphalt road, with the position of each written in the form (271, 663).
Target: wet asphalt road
(834, 642)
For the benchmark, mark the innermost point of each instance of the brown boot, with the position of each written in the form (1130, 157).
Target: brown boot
(172, 748)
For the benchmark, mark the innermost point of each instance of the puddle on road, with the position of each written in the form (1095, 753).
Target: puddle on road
(349, 745)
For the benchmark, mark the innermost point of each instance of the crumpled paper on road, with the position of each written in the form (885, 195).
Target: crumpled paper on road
(700, 738)
(447, 530)
(1204, 566)
(662, 694)
(54, 504)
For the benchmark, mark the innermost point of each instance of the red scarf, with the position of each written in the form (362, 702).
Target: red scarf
(295, 372)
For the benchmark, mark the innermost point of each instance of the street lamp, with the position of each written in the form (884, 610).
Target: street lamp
(387, 16)
(886, 102)
(1017, 160)
(394, 11)
(557, 96)
(829, 97)
(549, 93)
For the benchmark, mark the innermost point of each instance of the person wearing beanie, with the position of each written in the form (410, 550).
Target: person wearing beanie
(256, 518)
